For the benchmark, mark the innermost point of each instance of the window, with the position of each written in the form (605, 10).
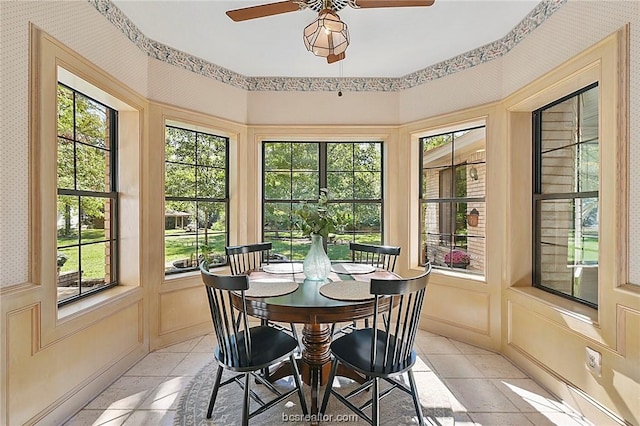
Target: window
(87, 202)
(294, 172)
(565, 196)
(452, 204)
(196, 199)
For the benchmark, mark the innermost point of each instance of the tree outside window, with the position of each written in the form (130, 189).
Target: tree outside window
(87, 201)
(196, 199)
(294, 172)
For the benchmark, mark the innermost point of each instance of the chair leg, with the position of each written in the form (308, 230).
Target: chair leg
(214, 393)
(416, 399)
(296, 379)
(245, 402)
(375, 399)
(327, 390)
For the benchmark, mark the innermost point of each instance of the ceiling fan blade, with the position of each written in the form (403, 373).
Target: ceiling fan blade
(263, 10)
(367, 4)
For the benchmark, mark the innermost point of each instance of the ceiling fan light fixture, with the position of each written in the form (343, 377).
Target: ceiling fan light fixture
(327, 35)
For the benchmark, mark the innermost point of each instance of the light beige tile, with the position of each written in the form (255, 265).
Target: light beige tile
(454, 366)
(126, 393)
(469, 349)
(207, 344)
(436, 345)
(528, 396)
(479, 395)
(183, 346)
(192, 363)
(433, 393)
(99, 418)
(422, 363)
(495, 366)
(151, 417)
(156, 364)
(564, 419)
(462, 419)
(500, 419)
(166, 395)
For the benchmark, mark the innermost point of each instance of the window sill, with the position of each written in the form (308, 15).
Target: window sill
(95, 301)
(452, 277)
(564, 307)
(190, 275)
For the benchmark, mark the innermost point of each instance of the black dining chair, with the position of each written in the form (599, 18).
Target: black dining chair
(244, 258)
(246, 350)
(247, 257)
(385, 350)
(383, 257)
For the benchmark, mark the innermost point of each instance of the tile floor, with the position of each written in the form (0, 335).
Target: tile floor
(484, 388)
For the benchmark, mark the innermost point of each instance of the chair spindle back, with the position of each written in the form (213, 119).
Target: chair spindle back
(379, 256)
(247, 257)
(403, 316)
(233, 342)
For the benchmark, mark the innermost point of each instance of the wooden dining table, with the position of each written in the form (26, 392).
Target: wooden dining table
(307, 306)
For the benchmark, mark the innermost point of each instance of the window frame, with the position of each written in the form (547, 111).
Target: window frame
(114, 235)
(322, 181)
(538, 196)
(453, 200)
(195, 199)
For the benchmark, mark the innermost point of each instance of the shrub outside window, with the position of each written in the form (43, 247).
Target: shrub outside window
(196, 199)
(87, 202)
(452, 203)
(294, 172)
(565, 196)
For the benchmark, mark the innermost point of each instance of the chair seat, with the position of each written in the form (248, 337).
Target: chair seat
(354, 349)
(269, 345)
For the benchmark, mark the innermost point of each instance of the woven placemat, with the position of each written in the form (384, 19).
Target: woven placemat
(270, 287)
(347, 290)
(283, 268)
(352, 268)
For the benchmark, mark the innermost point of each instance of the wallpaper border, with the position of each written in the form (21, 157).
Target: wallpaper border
(464, 61)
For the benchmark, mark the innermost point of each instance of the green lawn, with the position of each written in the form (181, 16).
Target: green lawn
(182, 245)
(586, 250)
(93, 255)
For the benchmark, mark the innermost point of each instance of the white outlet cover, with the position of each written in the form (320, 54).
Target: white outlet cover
(593, 361)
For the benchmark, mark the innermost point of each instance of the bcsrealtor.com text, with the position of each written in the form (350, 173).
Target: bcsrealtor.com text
(324, 418)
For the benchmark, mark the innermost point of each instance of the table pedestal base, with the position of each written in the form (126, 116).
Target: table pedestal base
(315, 364)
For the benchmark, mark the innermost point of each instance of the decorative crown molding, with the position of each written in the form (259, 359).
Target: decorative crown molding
(474, 57)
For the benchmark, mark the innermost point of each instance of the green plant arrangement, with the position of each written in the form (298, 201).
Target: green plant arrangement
(315, 219)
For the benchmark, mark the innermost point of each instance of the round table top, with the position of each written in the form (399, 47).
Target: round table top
(308, 305)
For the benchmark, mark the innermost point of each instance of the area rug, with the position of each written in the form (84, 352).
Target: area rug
(395, 409)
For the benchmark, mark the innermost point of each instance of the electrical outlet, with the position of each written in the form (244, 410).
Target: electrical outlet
(594, 361)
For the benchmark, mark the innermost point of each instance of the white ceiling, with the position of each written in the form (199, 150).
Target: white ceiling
(385, 42)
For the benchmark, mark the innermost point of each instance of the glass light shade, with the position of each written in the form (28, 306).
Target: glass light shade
(327, 35)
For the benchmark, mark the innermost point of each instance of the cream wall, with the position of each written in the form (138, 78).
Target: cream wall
(486, 312)
(318, 108)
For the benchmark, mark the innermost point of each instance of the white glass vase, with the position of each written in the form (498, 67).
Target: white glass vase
(316, 265)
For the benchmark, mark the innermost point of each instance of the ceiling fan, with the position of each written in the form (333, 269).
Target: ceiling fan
(327, 36)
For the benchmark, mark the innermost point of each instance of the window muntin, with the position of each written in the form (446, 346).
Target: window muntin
(452, 200)
(87, 200)
(565, 196)
(294, 172)
(196, 199)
